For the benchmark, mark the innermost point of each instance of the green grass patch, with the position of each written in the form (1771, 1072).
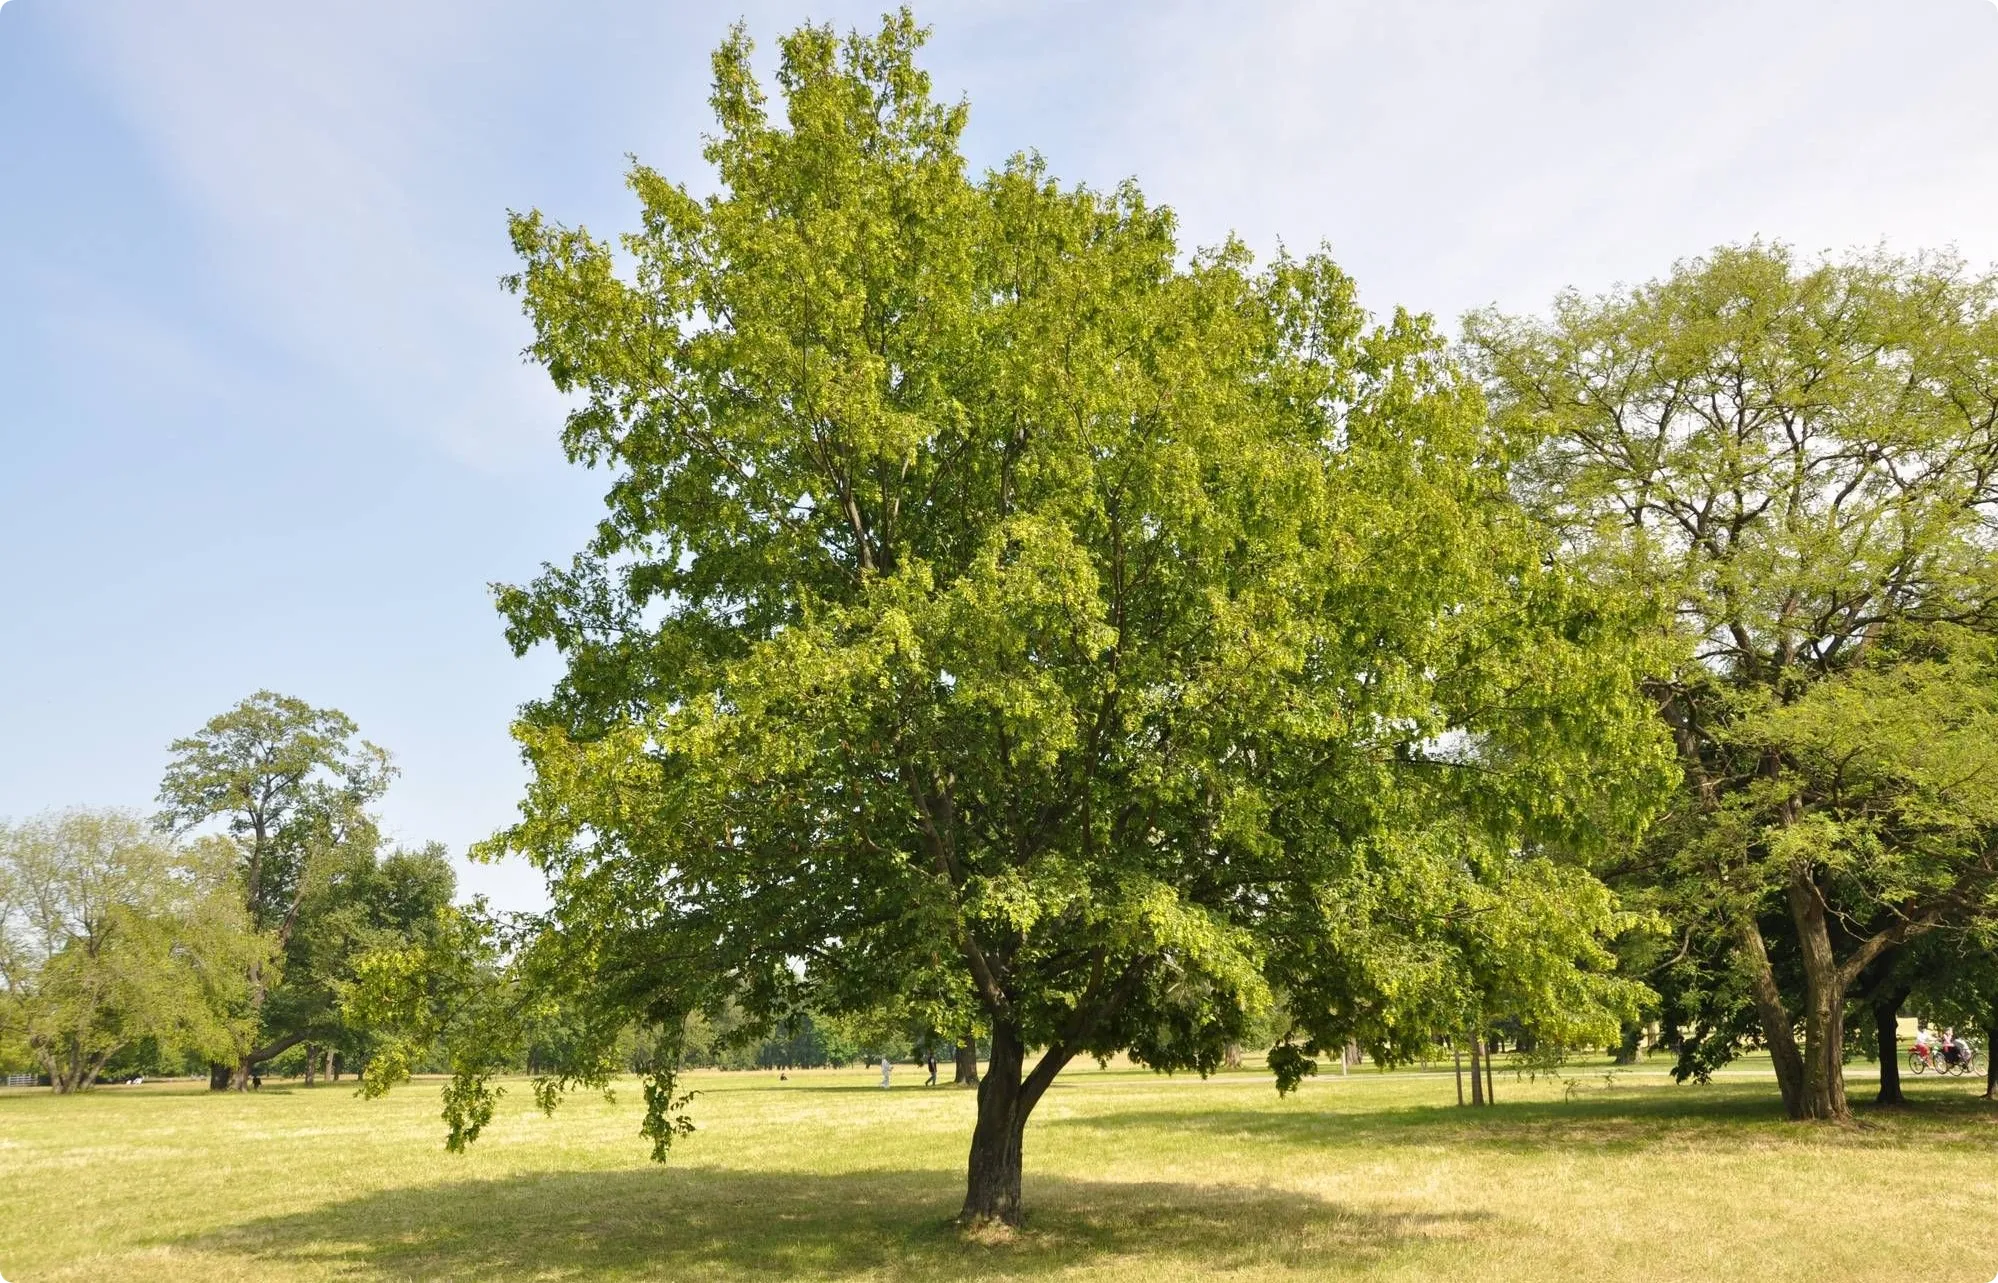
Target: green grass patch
(1129, 1176)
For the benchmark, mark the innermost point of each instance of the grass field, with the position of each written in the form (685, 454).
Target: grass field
(1129, 1176)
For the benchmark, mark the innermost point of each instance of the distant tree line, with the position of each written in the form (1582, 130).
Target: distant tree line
(224, 932)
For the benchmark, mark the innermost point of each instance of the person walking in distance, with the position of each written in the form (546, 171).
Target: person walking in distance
(886, 1069)
(932, 1063)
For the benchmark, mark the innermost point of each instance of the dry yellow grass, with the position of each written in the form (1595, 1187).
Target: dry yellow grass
(1130, 1176)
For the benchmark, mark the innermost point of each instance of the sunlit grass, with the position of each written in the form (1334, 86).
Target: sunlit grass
(1130, 1176)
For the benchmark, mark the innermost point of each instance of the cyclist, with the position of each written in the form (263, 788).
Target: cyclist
(1924, 1045)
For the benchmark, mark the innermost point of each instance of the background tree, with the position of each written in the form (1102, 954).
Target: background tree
(1801, 460)
(110, 935)
(1950, 979)
(1884, 987)
(998, 612)
(1454, 937)
(291, 786)
(360, 901)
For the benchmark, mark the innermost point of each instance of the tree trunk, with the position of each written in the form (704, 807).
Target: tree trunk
(66, 1069)
(1887, 1039)
(1491, 1089)
(1822, 1094)
(236, 1077)
(1005, 1099)
(1477, 1070)
(311, 1062)
(1777, 1029)
(1632, 1043)
(332, 1070)
(966, 1074)
(1457, 1056)
(1991, 1062)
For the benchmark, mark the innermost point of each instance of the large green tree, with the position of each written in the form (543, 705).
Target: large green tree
(109, 935)
(1004, 614)
(290, 785)
(1799, 459)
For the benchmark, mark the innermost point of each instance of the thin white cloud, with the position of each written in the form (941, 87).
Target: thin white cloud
(309, 140)
(1452, 152)
(1455, 152)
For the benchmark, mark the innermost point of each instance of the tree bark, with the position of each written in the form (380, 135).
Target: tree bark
(1491, 1088)
(1777, 1029)
(1005, 1099)
(1477, 1070)
(311, 1062)
(236, 1077)
(74, 1071)
(1457, 1056)
(1822, 1094)
(258, 1055)
(1887, 1040)
(966, 1073)
(1990, 1061)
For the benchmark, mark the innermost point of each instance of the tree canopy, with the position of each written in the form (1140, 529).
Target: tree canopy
(1800, 460)
(1002, 612)
(290, 786)
(362, 901)
(110, 934)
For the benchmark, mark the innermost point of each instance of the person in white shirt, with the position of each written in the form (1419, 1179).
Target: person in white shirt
(1923, 1045)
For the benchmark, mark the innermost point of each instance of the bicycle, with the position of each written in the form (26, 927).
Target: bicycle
(1961, 1062)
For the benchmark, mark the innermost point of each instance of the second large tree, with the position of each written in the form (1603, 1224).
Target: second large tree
(1801, 462)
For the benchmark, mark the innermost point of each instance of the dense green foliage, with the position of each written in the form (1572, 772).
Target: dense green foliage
(1801, 462)
(1002, 614)
(361, 901)
(111, 936)
(290, 786)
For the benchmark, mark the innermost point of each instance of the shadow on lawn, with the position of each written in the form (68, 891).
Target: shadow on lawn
(1623, 1119)
(694, 1223)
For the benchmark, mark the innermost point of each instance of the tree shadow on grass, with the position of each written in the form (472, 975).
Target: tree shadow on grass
(716, 1224)
(1626, 1120)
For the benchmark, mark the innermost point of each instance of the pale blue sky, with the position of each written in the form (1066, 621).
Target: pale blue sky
(262, 420)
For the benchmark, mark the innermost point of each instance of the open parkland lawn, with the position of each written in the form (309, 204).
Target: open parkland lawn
(1129, 1176)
